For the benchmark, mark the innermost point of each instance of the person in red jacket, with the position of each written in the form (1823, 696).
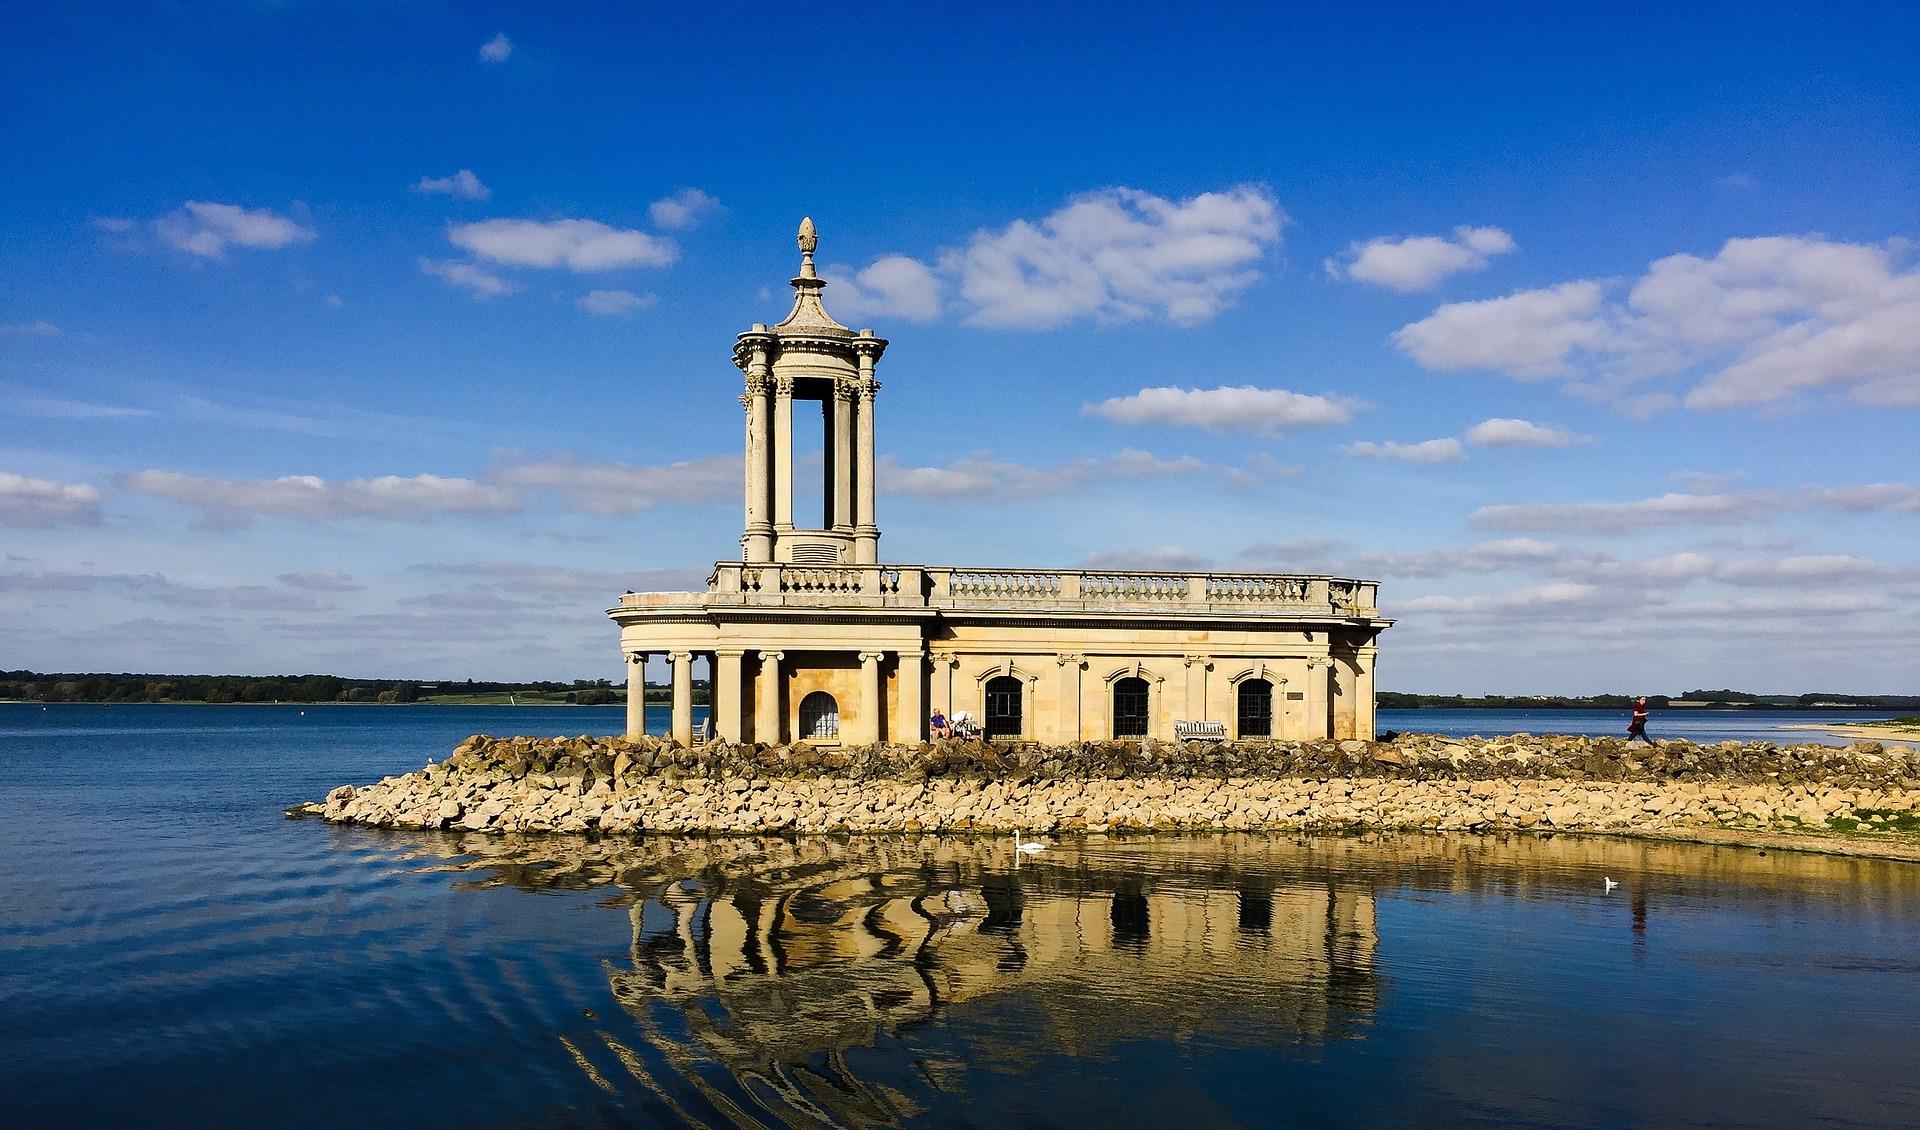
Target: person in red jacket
(1638, 727)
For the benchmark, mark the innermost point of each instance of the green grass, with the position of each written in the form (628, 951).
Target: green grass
(1876, 819)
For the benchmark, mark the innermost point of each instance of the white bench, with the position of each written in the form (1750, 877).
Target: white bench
(1200, 731)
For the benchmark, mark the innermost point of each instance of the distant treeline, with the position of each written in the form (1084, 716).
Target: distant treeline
(33, 686)
(1393, 700)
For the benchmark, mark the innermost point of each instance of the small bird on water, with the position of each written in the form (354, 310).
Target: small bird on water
(1610, 884)
(1027, 847)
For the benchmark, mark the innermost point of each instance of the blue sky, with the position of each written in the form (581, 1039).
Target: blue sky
(1594, 335)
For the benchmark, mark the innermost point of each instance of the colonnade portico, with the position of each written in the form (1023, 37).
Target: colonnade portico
(810, 637)
(754, 697)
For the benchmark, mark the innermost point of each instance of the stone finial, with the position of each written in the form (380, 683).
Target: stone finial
(809, 239)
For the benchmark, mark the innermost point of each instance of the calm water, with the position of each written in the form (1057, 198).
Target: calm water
(173, 952)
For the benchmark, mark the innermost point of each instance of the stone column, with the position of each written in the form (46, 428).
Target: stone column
(1068, 726)
(842, 461)
(783, 455)
(766, 699)
(729, 698)
(1318, 671)
(866, 535)
(1363, 708)
(911, 678)
(682, 730)
(758, 544)
(873, 703)
(636, 693)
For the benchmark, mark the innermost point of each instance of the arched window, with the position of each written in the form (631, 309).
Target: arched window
(1130, 707)
(1256, 708)
(1003, 718)
(819, 716)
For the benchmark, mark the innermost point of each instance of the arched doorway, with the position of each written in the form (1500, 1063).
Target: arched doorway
(1256, 709)
(1130, 707)
(1003, 707)
(819, 716)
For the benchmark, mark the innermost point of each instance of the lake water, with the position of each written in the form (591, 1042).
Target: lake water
(175, 953)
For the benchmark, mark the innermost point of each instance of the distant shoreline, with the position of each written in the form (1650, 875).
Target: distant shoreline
(1876, 731)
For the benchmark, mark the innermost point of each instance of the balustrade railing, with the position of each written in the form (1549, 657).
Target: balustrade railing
(1003, 583)
(907, 586)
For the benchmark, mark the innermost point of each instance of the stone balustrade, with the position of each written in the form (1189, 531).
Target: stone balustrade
(735, 584)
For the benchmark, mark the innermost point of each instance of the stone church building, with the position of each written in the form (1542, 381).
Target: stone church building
(811, 637)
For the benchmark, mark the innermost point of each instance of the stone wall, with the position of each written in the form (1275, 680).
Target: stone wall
(622, 786)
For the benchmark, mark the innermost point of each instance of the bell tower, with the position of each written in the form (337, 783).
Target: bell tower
(809, 357)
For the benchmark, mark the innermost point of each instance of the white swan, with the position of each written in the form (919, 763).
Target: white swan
(1610, 884)
(1026, 847)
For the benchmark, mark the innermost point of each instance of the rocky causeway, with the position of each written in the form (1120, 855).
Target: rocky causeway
(1862, 799)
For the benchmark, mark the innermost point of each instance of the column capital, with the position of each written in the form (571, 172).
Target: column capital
(772, 656)
(866, 391)
(1202, 661)
(758, 383)
(783, 386)
(872, 656)
(636, 657)
(843, 392)
(729, 654)
(1068, 659)
(680, 656)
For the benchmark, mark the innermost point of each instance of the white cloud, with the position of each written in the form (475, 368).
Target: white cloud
(1761, 321)
(577, 245)
(1166, 558)
(158, 589)
(29, 329)
(1531, 598)
(1829, 568)
(620, 489)
(1481, 557)
(1118, 255)
(1625, 517)
(60, 409)
(462, 184)
(980, 475)
(496, 50)
(552, 580)
(683, 210)
(1505, 432)
(892, 286)
(1667, 570)
(614, 303)
(320, 580)
(1263, 411)
(206, 229)
(1901, 498)
(230, 502)
(472, 278)
(1420, 262)
(1444, 450)
(43, 503)
(1528, 334)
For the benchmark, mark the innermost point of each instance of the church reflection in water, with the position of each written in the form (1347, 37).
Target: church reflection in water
(773, 958)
